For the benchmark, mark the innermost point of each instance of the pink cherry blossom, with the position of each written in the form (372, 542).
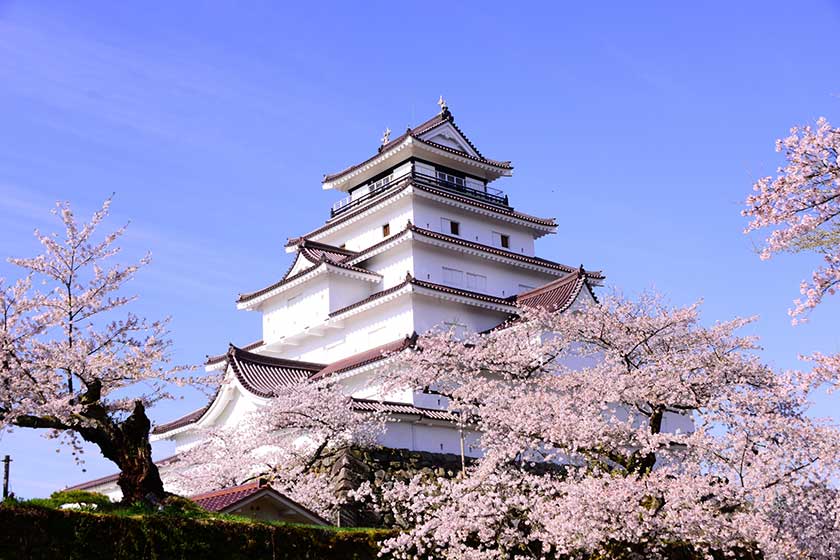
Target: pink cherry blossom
(629, 425)
(69, 363)
(802, 204)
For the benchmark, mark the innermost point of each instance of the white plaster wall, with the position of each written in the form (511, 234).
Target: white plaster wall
(474, 227)
(358, 333)
(309, 306)
(430, 312)
(392, 264)
(368, 231)
(344, 291)
(503, 280)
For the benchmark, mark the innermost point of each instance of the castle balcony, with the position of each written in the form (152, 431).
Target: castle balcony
(441, 181)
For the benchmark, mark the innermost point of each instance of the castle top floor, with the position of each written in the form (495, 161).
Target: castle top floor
(436, 151)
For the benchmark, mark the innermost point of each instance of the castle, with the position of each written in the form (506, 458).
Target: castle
(421, 239)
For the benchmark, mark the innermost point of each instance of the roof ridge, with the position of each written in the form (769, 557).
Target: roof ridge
(253, 485)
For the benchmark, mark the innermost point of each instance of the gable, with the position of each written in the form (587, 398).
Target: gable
(449, 136)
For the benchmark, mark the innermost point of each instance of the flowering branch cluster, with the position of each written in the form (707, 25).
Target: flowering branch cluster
(629, 424)
(803, 203)
(285, 443)
(67, 365)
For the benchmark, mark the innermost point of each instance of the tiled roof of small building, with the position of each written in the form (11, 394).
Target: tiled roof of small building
(219, 500)
(226, 499)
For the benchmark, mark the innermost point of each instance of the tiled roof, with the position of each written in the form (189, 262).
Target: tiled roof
(219, 500)
(557, 295)
(262, 375)
(114, 477)
(324, 260)
(545, 263)
(222, 357)
(366, 357)
(314, 252)
(434, 122)
(368, 405)
(429, 286)
(184, 420)
(402, 184)
(228, 498)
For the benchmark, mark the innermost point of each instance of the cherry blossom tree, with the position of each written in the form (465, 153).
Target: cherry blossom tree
(74, 361)
(802, 204)
(285, 443)
(630, 428)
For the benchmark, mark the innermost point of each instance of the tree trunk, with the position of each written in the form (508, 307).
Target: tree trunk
(139, 477)
(126, 444)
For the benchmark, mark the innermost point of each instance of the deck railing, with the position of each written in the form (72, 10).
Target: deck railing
(490, 195)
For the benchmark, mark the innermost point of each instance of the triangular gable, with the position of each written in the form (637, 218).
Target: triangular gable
(448, 135)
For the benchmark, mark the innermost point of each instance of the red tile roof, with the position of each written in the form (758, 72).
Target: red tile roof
(218, 500)
(227, 499)
(558, 295)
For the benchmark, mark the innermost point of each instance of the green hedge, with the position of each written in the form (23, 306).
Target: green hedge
(36, 532)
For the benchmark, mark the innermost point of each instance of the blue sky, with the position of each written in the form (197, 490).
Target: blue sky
(640, 126)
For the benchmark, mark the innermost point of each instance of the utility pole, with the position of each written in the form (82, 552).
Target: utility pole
(6, 461)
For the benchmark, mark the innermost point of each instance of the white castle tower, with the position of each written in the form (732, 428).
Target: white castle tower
(420, 240)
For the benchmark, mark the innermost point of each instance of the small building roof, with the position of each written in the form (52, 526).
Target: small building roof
(227, 500)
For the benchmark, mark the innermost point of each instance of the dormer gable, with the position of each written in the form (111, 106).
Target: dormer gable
(448, 135)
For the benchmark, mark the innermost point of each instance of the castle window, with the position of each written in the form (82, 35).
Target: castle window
(453, 276)
(476, 282)
(449, 226)
(450, 179)
(386, 230)
(501, 240)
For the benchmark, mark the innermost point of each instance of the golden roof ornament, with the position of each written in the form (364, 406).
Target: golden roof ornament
(386, 136)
